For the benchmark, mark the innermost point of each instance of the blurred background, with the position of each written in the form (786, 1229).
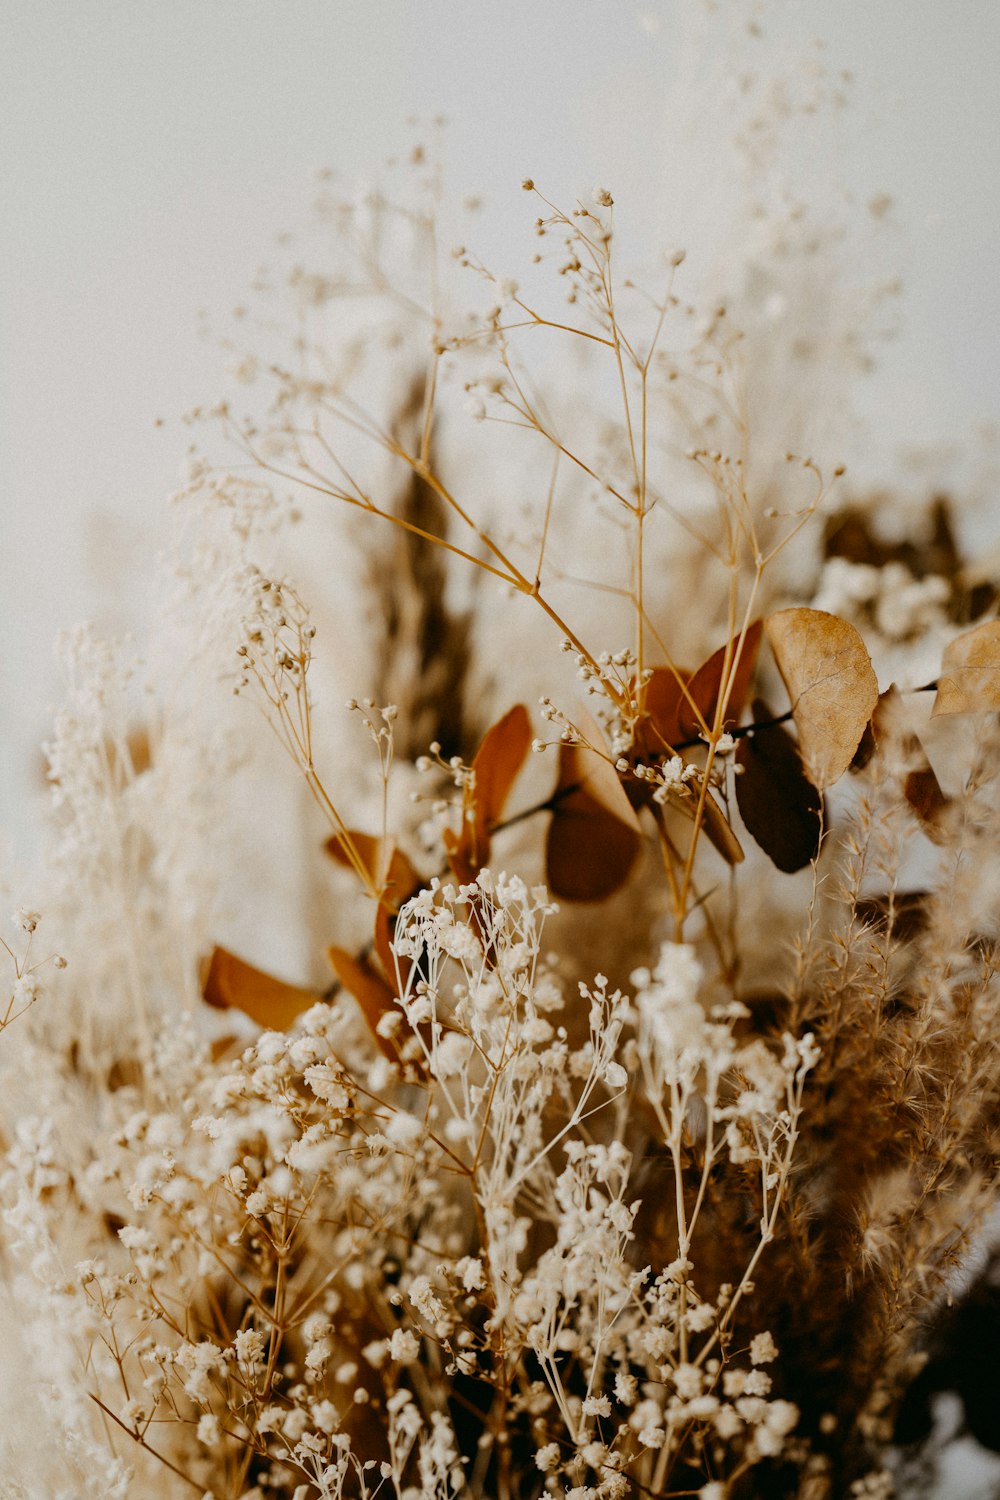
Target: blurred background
(152, 153)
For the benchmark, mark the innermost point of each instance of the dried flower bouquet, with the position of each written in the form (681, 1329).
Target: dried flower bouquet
(614, 1157)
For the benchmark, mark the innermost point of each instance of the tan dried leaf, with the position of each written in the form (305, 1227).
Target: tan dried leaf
(830, 680)
(969, 680)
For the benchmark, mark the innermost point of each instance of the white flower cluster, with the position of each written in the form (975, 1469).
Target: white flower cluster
(278, 1247)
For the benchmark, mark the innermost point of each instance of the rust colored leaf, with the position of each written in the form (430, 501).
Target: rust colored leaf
(594, 835)
(663, 695)
(497, 763)
(370, 989)
(457, 850)
(224, 1046)
(672, 700)
(390, 870)
(828, 673)
(392, 873)
(229, 982)
(969, 680)
(780, 806)
(706, 685)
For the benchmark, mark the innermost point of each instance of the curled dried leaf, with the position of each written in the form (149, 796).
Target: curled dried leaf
(969, 681)
(832, 685)
(229, 982)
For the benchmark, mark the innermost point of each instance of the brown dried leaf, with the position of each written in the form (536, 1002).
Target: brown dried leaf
(717, 826)
(713, 821)
(496, 765)
(594, 835)
(828, 673)
(921, 787)
(780, 806)
(670, 699)
(230, 982)
(924, 793)
(390, 870)
(662, 697)
(370, 989)
(969, 680)
(706, 684)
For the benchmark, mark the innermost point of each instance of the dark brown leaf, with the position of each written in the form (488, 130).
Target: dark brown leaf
(780, 806)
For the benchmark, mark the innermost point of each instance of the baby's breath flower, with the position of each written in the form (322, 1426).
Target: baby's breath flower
(762, 1349)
